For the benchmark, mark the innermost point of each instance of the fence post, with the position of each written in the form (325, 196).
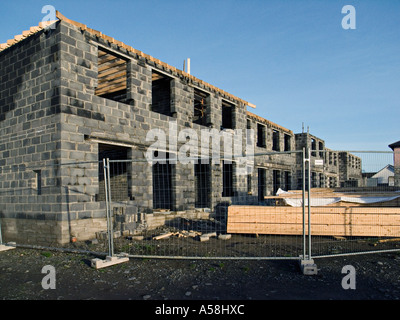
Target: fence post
(111, 259)
(306, 263)
(1, 236)
(107, 188)
(309, 204)
(303, 202)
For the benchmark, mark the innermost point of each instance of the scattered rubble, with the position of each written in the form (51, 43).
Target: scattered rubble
(183, 228)
(192, 234)
(224, 236)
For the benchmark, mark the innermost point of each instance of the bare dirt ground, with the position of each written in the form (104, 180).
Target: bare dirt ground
(156, 283)
(377, 278)
(148, 284)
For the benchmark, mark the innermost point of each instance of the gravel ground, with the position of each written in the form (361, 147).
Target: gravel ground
(377, 278)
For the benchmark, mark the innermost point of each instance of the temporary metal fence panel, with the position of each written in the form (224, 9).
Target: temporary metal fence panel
(55, 206)
(284, 205)
(355, 204)
(186, 210)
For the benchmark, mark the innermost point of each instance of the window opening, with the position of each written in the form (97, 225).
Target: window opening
(227, 115)
(162, 183)
(261, 136)
(112, 76)
(201, 101)
(275, 140)
(202, 183)
(161, 94)
(227, 174)
(120, 178)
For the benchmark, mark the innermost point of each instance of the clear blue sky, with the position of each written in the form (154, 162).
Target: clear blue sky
(292, 59)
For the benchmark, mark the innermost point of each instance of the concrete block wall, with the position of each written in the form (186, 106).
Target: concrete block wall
(349, 170)
(331, 162)
(280, 162)
(30, 139)
(87, 120)
(51, 117)
(142, 188)
(318, 152)
(79, 112)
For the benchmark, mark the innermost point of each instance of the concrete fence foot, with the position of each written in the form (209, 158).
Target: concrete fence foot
(307, 266)
(109, 261)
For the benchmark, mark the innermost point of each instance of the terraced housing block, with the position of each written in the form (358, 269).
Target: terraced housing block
(71, 96)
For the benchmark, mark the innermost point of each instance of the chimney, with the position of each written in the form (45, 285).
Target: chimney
(186, 65)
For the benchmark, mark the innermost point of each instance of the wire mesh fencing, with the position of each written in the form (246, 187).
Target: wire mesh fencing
(355, 203)
(52, 205)
(170, 209)
(285, 205)
(279, 205)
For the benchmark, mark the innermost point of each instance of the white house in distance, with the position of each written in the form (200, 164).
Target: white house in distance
(389, 175)
(384, 177)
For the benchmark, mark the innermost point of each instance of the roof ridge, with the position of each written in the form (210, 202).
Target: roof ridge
(259, 118)
(42, 25)
(99, 34)
(25, 34)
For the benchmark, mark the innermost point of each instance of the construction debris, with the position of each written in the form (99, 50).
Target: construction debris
(109, 261)
(339, 238)
(8, 246)
(224, 236)
(204, 238)
(192, 234)
(137, 238)
(210, 235)
(163, 236)
(179, 234)
(389, 240)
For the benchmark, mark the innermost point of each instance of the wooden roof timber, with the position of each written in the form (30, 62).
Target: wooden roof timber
(156, 76)
(120, 80)
(111, 71)
(150, 58)
(108, 59)
(83, 27)
(25, 34)
(111, 64)
(102, 53)
(111, 88)
(118, 77)
(268, 122)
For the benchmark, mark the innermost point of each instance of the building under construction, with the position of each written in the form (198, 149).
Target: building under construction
(72, 95)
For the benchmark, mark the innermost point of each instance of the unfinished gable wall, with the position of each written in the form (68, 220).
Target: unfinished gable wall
(30, 138)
